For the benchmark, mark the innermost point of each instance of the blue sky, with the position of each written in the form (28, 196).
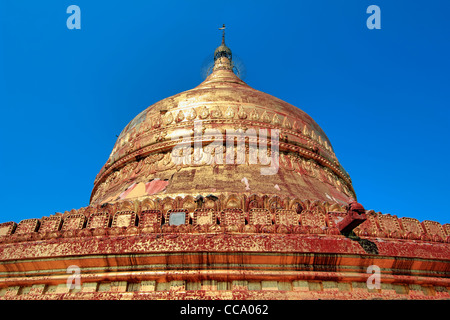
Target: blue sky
(381, 96)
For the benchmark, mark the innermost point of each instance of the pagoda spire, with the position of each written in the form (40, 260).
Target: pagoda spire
(222, 55)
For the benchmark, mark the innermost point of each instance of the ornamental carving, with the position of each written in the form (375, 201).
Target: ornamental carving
(216, 113)
(275, 204)
(254, 115)
(287, 217)
(369, 227)
(98, 220)
(180, 116)
(254, 201)
(229, 113)
(447, 228)
(156, 121)
(166, 204)
(147, 204)
(150, 219)
(162, 161)
(286, 123)
(412, 227)
(73, 221)
(232, 217)
(50, 224)
(7, 228)
(191, 114)
(390, 225)
(242, 114)
(276, 120)
(204, 217)
(204, 113)
(218, 214)
(260, 217)
(434, 229)
(124, 219)
(265, 117)
(314, 221)
(27, 226)
(168, 118)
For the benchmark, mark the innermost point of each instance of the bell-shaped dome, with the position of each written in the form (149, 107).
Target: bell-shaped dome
(202, 128)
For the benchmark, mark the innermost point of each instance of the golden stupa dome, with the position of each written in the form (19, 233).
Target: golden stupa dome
(197, 124)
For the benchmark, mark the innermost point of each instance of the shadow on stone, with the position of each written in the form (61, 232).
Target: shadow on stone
(367, 245)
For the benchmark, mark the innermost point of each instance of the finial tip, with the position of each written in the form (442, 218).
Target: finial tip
(223, 34)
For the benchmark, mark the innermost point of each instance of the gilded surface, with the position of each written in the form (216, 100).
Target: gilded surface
(223, 102)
